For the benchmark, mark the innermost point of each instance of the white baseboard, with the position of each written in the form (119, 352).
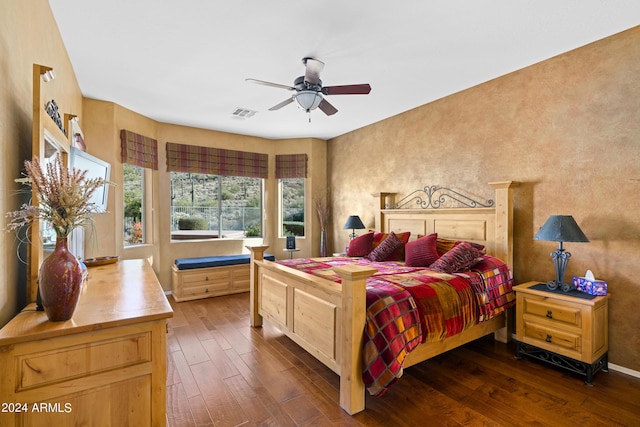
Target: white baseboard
(624, 370)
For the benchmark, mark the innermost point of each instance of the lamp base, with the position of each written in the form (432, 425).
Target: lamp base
(554, 284)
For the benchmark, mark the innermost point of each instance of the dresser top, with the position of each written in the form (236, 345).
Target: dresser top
(123, 293)
(527, 288)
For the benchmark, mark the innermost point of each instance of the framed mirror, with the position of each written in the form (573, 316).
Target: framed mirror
(48, 139)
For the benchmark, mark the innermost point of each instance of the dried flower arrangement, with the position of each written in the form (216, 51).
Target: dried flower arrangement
(63, 197)
(321, 202)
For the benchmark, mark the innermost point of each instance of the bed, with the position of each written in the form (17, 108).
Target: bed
(327, 317)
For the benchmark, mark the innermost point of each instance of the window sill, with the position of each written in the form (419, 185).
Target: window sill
(205, 235)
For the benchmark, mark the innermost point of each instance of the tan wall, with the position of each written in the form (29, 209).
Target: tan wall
(28, 35)
(567, 128)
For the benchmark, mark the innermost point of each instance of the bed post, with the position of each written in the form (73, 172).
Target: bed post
(504, 239)
(354, 307)
(257, 254)
(504, 220)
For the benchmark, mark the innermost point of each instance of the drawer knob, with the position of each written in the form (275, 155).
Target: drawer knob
(206, 291)
(550, 314)
(206, 278)
(548, 338)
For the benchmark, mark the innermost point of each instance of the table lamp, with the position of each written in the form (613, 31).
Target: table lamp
(560, 228)
(354, 223)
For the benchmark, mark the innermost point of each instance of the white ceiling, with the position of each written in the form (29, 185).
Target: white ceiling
(186, 62)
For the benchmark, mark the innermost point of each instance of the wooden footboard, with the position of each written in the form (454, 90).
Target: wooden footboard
(323, 317)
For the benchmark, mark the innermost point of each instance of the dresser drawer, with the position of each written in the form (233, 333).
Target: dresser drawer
(564, 313)
(552, 338)
(209, 276)
(53, 366)
(206, 290)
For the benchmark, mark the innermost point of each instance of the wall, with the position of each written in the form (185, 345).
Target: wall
(567, 128)
(28, 35)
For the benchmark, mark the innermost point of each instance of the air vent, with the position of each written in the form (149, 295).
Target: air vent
(242, 113)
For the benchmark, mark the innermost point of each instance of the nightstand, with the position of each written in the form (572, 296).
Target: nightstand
(563, 329)
(291, 251)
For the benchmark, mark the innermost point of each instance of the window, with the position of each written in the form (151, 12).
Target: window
(133, 183)
(227, 206)
(292, 218)
(139, 156)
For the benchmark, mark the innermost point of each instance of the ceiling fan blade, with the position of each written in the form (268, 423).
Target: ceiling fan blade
(362, 89)
(282, 104)
(262, 82)
(313, 69)
(327, 108)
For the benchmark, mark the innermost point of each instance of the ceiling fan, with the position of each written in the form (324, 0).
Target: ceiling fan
(309, 92)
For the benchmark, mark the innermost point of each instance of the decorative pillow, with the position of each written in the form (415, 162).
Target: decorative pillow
(361, 245)
(398, 255)
(460, 257)
(421, 252)
(384, 250)
(445, 245)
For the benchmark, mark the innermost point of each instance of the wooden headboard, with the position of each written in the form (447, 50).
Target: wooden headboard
(489, 223)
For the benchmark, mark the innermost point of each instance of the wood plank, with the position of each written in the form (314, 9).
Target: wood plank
(480, 383)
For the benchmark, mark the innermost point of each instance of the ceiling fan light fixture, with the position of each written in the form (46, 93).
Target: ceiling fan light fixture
(308, 99)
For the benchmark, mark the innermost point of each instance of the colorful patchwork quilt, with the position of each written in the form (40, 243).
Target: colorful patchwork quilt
(410, 305)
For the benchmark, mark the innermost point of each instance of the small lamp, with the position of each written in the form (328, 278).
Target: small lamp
(354, 223)
(560, 228)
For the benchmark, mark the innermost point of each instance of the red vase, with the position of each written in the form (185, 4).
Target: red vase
(60, 282)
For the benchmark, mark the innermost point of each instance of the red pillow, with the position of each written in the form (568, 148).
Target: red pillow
(421, 252)
(384, 250)
(361, 245)
(398, 254)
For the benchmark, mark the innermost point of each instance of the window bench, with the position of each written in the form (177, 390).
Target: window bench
(203, 277)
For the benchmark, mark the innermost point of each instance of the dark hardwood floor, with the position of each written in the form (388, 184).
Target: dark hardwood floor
(222, 372)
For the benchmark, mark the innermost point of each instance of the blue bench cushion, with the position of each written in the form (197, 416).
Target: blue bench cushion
(216, 261)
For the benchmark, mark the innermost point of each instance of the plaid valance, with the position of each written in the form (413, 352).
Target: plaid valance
(215, 161)
(138, 150)
(291, 166)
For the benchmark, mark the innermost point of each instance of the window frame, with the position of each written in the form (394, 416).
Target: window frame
(281, 208)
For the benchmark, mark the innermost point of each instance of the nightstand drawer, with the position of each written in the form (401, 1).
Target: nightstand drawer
(552, 338)
(561, 313)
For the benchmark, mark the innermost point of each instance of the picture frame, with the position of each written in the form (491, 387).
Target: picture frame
(291, 242)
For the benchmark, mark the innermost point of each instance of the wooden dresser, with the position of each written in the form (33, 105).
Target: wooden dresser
(106, 366)
(567, 331)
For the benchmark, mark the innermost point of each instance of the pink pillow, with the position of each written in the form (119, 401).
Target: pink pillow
(421, 252)
(384, 250)
(460, 257)
(361, 245)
